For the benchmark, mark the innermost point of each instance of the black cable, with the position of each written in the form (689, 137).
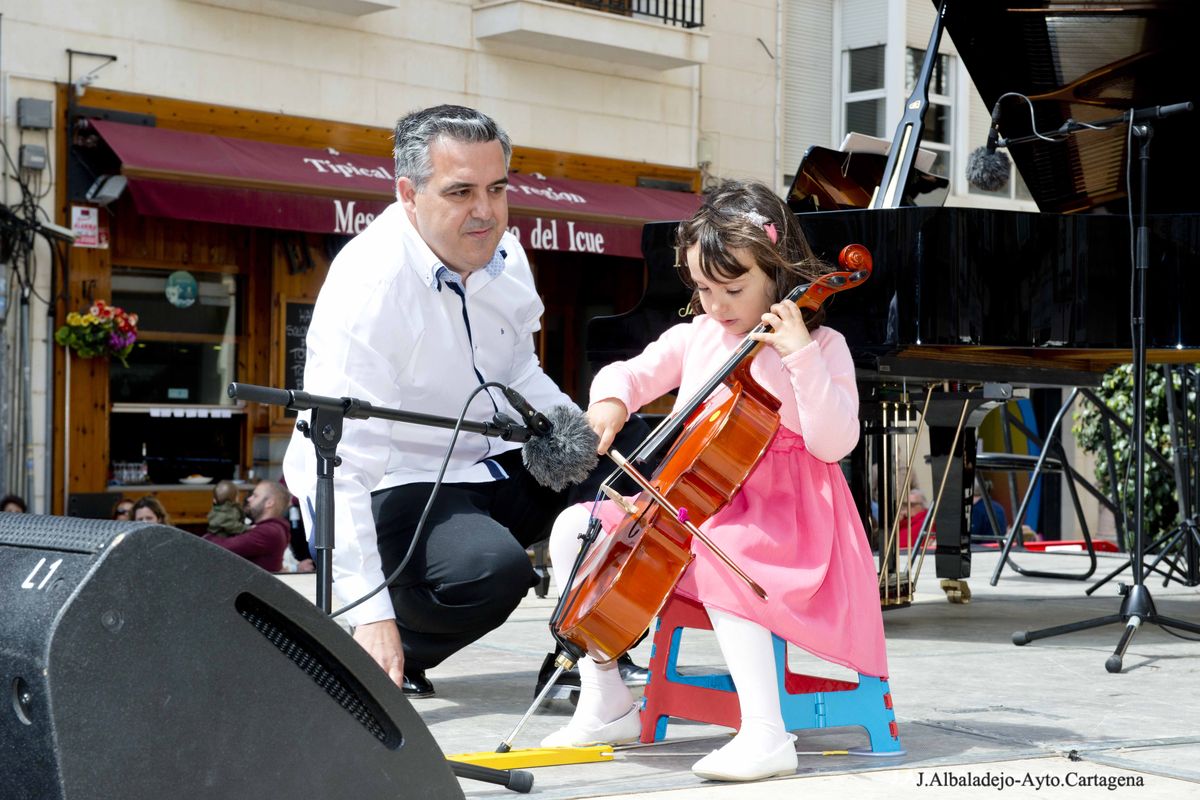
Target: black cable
(1060, 134)
(26, 212)
(1166, 629)
(16, 172)
(1124, 489)
(437, 485)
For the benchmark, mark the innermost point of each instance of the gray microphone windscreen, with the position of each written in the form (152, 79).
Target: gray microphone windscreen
(988, 170)
(567, 455)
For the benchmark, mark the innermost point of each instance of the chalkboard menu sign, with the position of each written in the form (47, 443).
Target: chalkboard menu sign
(297, 315)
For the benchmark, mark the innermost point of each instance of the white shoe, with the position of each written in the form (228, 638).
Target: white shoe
(731, 763)
(625, 728)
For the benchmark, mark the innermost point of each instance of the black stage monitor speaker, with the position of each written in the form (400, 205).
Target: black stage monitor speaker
(141, 662)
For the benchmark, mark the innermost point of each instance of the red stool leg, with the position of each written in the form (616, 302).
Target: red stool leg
(703, 698)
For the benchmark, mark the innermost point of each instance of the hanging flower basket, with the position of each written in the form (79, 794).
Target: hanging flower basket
(103, 331)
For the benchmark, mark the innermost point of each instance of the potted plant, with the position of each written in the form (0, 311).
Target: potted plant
(1161, 508)
(103, 330)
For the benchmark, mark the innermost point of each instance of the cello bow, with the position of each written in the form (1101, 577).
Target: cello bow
(681, 515)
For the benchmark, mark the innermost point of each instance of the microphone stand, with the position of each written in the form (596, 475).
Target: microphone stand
(1137, 606)
(325, 431)
(1142, 116)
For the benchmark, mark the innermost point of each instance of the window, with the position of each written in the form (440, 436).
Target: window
(186, 353)
(865, 102)
(938, 131)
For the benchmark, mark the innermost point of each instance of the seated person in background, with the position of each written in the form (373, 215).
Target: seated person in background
(265, 540)
(148, 509)
(226, 517)
(912, 517)
(123, 510)
(981, 527)
(299, 541)
(13, 504)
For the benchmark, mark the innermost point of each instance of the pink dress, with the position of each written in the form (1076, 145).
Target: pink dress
(793, 527)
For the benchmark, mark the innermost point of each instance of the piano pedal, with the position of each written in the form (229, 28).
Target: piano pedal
(957, 591)
(896, 592)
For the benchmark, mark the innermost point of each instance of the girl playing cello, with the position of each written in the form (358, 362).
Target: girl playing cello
(792, 527)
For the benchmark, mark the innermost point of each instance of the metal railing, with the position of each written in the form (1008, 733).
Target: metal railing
(683, 13)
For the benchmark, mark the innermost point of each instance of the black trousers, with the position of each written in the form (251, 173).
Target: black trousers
(469, 570)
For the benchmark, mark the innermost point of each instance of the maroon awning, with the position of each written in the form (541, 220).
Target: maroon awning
(209, 178)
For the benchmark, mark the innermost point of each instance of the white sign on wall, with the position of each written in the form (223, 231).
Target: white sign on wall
(85, 224)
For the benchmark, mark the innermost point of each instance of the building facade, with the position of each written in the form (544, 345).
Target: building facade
(639, 95)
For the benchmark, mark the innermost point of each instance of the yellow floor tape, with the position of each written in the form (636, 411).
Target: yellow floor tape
(536, 757)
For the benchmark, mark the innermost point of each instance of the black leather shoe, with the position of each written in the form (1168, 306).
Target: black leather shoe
(631, 673)
(416, 684)
(567, 685)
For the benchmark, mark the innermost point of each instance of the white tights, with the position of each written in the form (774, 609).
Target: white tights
(749, 652)
(603, 696)
(746, 646)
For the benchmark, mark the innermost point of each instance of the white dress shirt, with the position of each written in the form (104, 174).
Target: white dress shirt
(386, 329)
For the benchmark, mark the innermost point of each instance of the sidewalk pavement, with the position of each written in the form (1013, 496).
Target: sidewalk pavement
(978, 716)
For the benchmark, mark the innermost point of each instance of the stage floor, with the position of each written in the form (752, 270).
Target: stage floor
(978, 716)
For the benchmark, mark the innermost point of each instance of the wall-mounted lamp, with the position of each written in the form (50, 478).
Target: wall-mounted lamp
(79, 85)
(106, 189)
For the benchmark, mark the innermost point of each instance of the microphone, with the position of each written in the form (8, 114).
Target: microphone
(562, 449)
(1158, 112)
(533, 419)
(987, 169)
(566, 453)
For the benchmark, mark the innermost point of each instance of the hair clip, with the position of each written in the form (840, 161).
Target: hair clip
(757, 219)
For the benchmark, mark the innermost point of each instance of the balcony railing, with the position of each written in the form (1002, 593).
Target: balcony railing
(683, 13)
(616, 31)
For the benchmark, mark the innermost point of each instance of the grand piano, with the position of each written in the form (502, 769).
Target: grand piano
(977, 300)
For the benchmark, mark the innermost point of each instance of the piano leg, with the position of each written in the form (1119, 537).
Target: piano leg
(860, 489)
(952, 521)
(875, 469)
(951, 418)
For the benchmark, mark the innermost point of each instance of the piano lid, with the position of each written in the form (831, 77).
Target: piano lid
(1088, 60)
(833, 180)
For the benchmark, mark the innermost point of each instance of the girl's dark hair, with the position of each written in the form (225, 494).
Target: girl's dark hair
(16, 500)
(730, 218)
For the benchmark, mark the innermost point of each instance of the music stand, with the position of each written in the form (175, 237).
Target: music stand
(1137, 606)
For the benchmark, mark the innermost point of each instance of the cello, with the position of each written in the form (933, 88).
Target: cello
(718, 440)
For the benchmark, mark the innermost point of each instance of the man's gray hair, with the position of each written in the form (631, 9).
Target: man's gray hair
(416, 132)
